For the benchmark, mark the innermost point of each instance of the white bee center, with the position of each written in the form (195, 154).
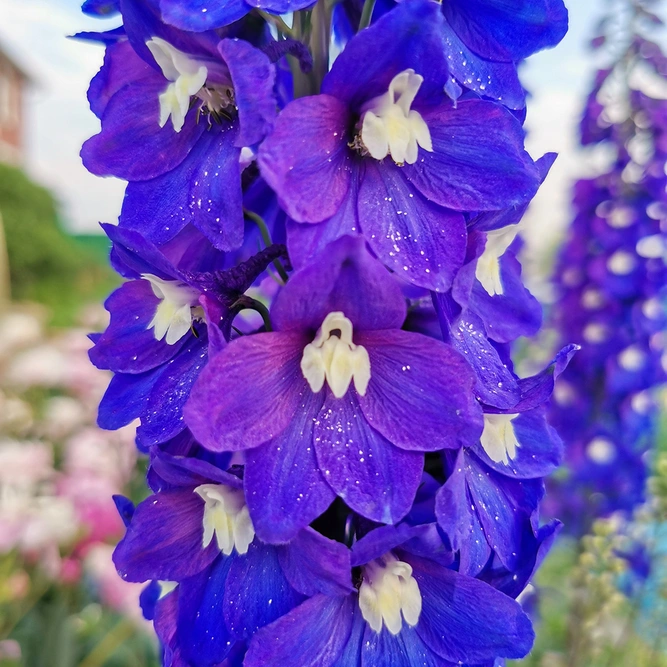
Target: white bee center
(390, 127)
(653, 308)
(601, 450)
(632, 358)
(595, 333)
(334, 358)
(621, 263)
(187, 77)
(226, 517)
(499, 439)
(592, 299)
(174, 314)
(488, 265)
(389, 595)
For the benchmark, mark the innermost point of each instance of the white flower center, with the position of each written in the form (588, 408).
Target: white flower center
(187, 78)
(601, 450)
(632, 358)
(389, 126)
(173, 316)
(621, 263)
(595, 333)
(226, 516)
(653, 308)
(498, 438)
(389, 590)
(592, 299)
(488, 265)
(334, 358)
(652, 247)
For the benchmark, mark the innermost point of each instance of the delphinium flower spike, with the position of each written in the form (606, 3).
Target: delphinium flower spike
(315, 333)
(612, 283)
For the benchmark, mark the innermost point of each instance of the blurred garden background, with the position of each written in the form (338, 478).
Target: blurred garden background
(599, 601)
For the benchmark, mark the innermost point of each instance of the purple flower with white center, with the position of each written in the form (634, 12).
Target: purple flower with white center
(325, 404)
(384, 152)
(497, 483)
(195, 531)
(407, 609)
(158, 338)
(176, 109)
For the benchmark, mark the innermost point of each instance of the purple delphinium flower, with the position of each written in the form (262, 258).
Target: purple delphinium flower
(384, 152)
(195, 532)
(610, 281)
(325, 404)
(407, 609)
(176, 109)
(157, 341)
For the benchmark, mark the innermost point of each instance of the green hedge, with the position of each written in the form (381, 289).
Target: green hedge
(46, 265)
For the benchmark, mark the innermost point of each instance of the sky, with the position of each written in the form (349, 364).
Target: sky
(58, 120)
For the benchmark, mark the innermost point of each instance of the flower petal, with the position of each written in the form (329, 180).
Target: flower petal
(285, 489)
(131, 144)
(407, 37)
(257, 592)
(540, 448)
(203, 636)
(315, 634)
(345, 278)
(314, 564)
(406, 649)
(374, 478)
(478, 162)
(465, 620)
(163, 418)
(201, 15)
(420, 241)
(249, 392)
(306, 159)
(164, 539)
(507, 31)
(128, 345)
(411, 375)
(253, 76)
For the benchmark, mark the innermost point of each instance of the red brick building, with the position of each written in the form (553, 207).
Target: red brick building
(13, 81)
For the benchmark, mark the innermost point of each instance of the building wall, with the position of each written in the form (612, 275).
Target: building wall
(11, 111)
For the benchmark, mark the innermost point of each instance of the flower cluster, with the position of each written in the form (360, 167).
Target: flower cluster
(322, 292)
(611, 278)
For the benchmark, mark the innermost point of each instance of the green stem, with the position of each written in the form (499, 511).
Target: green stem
(278, 23)
(366, 14)
(320, 39)
(119, 634)
(266, 237)
(248, 303)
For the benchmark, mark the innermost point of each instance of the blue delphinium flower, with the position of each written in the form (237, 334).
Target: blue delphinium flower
(176, 109)
(384, 152)
(611, 279)
(158, 339)
(356, 478)
(408, 608)
(333, 390)
(195, 532)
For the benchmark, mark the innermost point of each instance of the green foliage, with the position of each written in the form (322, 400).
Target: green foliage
(46, 265)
